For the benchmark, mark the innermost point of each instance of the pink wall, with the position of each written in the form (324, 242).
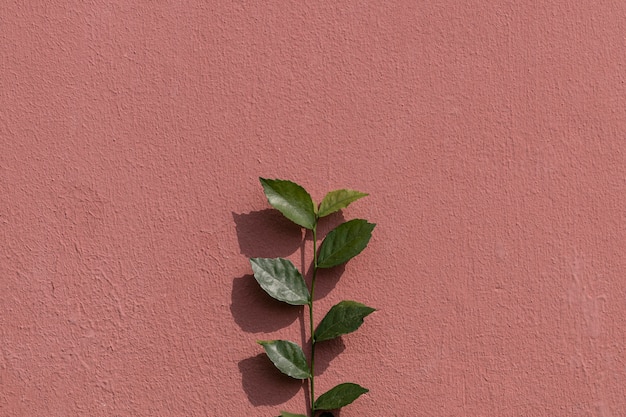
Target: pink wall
(490, 136)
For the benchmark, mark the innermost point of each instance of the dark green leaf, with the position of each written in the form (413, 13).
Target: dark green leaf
(344, 243)
(337, 200)
(340, 396)
(280, 279)
(290, 199)
(288, 358)
(343, 318)
(286, 414)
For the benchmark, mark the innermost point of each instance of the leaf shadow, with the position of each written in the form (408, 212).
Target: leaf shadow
(264, 384)
(326, 280)
(328, 223)
(326, 352)
(266, 234)
(255, 311)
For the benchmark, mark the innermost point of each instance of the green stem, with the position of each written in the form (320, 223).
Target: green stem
(312, 379)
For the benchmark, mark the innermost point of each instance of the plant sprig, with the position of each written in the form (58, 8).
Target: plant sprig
(283, 281)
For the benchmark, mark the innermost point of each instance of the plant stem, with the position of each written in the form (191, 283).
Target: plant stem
(312, 379)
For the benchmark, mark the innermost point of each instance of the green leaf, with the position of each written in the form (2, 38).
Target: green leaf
(281, 279)
(290, 199)
(337, 200)
(340, 396)
(286, 414)
(343, 318)
(344, 243)
(288, 357)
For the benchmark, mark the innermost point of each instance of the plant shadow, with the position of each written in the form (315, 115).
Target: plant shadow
(264, 384)
(266, 234)
(328, 223)
(255, 311)
(326, 280)
(325, 352)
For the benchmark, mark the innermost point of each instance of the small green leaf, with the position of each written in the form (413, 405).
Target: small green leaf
(340, 396)
(286, 414)
(280, 279)
(337, 200)
(344, 243)
(290, 199)
(343, 318)
(288, 357)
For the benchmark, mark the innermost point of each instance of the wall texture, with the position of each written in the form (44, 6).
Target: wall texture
(489, 134)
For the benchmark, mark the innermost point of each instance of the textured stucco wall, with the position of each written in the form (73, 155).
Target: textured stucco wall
(489, 134)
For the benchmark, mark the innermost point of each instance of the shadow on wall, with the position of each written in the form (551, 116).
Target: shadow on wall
(267, 234)
(264, 384)
(255, 311)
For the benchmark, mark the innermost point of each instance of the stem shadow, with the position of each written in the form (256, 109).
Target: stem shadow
(327, 278)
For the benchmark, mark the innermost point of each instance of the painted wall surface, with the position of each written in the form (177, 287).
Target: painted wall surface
(490, 136)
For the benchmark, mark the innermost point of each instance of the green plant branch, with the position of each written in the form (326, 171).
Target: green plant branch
(312, 379)
(283, 281)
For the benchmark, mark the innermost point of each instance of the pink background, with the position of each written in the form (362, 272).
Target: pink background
(489, 134)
